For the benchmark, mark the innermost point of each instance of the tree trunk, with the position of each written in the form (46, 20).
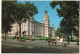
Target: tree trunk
(23, 36)
(68, 39)
(5, 36)
(20, 31)
(71, 37)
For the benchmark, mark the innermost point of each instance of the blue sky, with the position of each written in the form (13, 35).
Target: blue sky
(45, 5)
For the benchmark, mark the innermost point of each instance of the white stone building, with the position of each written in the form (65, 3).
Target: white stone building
(34, 28)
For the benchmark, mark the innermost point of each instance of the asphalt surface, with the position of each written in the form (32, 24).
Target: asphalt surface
(36, 46)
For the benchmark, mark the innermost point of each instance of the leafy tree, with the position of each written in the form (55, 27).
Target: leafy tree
(59, 32)
(69, 10)
(16, 12)
(23, 12)
(7, 19)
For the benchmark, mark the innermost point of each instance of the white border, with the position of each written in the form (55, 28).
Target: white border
(37, 0)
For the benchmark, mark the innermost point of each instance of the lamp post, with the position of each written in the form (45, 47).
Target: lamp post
(72, 34)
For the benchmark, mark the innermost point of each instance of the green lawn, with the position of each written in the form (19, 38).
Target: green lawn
(23, 38)
(43, 38)
(12, 37)
(26, 38)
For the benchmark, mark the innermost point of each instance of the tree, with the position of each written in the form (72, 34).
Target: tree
(7, 19)
(23, 12)
(59, 32)
(16, 12)
(70, 13)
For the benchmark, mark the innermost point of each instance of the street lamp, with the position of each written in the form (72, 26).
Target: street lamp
(72, 34)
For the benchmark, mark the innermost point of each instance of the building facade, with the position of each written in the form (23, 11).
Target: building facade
(34, 28)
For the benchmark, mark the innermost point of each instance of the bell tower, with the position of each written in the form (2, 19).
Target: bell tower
(46, 23)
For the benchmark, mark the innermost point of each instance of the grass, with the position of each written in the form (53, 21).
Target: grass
(44, 38)
(26, 38)
(12, 37)
(23, 38)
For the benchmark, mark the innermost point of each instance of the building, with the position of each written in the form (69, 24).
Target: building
(34, 28)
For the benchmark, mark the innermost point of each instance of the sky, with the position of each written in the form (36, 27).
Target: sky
(45, 5)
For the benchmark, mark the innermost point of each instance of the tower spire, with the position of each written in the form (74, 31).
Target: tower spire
(52, 26)
(53, 31)
(45, 11)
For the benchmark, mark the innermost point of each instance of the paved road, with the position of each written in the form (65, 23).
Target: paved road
(36, 46)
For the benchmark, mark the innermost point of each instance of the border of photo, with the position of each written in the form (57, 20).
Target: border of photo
(37, 0)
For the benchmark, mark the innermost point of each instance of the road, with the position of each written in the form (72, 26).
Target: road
(36, 46)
